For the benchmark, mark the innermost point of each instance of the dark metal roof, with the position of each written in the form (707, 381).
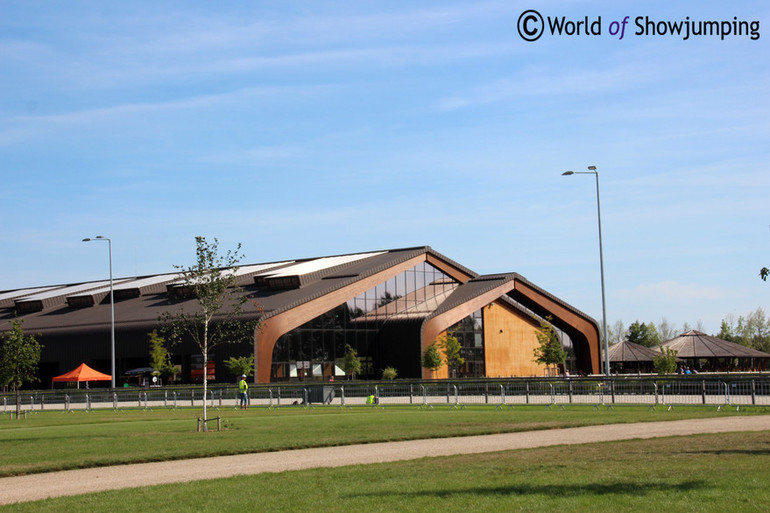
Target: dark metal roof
(695, 344)
(629, 352)
(143, 312)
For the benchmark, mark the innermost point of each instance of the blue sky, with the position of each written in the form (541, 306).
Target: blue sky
(313, 128)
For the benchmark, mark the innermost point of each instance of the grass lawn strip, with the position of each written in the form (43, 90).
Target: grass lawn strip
(89, 480)
(702, 473)
(52, 441)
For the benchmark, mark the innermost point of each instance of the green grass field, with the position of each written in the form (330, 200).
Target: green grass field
(56, 440)
(706, 473)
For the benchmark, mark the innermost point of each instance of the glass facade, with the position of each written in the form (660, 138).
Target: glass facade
(381, 324)
(470, 333)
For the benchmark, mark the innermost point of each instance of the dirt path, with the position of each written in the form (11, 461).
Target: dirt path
(74, 482)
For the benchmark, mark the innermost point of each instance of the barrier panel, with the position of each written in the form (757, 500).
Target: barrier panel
(718, 390)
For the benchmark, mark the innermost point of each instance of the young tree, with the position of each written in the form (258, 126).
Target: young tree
(431, 358)
(352, 363)
(211, 282)
(666, 362)
(19, 357)
(241, 365)
(160, 357)
(550, 352)
(452, 352)
(389, 373)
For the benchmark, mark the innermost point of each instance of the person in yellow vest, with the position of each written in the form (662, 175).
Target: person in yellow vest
(243, 390)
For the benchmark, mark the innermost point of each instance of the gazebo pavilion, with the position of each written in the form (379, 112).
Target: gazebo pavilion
(627, 357)
(706, 353)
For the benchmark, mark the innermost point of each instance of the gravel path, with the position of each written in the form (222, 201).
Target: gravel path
(74, 482)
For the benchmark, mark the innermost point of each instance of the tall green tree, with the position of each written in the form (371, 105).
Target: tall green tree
(644, 334)
(452, 349)
(351, 363)
(752, 330)
(550, 351)
(431, 358)
(726, 332)
(19, 358)
(213, 318)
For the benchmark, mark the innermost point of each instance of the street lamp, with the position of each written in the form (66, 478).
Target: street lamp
(112, 305)
(592, 171)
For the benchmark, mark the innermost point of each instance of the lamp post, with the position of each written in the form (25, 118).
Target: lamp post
(592, 171)
(112, 306)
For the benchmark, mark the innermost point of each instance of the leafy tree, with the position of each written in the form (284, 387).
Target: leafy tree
(431, 358)
(726, 332)
(550, 352)
(211, 282)
(753, 330)
(452, 352)
(19, 357)
(160, 357)
(389, 373)
(643, 334)
(352, 363)
(665, 363)
(241, 365)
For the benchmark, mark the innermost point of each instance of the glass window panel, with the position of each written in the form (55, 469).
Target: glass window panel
(323, 339)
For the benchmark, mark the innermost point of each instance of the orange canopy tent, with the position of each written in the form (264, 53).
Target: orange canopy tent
(83, 373)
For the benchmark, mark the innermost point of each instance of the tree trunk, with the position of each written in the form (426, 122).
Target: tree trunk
(205, 387)
(18, 401)
(205, 353)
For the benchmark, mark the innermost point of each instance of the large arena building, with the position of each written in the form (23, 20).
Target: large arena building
(389, 305)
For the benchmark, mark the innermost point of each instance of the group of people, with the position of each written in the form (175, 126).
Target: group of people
(684, 369)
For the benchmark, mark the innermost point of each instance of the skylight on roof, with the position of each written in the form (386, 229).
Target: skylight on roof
(66, 291)
(318, 264)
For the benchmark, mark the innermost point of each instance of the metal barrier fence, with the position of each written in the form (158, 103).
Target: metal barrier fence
(715, 391)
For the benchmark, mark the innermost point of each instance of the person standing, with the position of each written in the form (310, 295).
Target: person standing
(243, 390)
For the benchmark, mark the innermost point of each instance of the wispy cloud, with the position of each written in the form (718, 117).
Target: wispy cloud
(672, 291)
(543, 82)
(19, 128)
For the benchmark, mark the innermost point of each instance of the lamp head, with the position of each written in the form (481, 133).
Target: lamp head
(592, 168)
(567, 173)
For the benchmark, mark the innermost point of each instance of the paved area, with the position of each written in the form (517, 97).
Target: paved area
(74, 482)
